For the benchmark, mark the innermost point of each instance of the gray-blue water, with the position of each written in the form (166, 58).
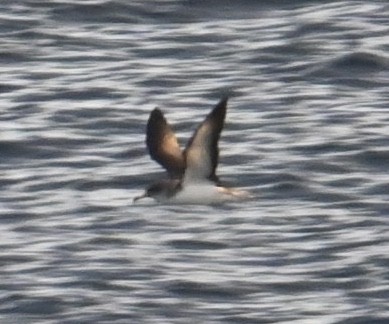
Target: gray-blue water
(307, 132)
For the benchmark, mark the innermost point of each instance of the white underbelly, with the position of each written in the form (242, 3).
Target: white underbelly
(202, 193)
(207, 193)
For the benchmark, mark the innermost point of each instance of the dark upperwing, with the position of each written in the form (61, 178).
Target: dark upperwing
(163, 145)
(202, 151)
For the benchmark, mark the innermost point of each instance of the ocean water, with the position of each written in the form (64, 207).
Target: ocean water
(307, 132)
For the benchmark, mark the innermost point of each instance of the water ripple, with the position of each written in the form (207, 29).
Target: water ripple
(306, 133)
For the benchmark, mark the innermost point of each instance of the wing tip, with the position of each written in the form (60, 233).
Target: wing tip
(156, 113)
(222, 102)
(224, 99)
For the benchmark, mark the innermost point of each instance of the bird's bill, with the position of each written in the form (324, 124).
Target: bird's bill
(139, 197)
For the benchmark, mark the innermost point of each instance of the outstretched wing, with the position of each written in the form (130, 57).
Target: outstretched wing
(202, 152)
(163, 145)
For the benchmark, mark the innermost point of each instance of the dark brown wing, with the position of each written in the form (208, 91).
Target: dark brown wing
(202, 152)
(163, 145)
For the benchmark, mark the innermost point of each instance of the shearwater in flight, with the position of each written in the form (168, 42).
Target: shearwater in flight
(192, 172)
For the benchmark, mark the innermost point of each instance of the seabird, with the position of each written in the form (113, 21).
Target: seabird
(192, 172)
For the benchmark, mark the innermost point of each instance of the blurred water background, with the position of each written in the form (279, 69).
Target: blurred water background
(307, 132)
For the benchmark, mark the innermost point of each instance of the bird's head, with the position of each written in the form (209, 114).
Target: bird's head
(159, 191)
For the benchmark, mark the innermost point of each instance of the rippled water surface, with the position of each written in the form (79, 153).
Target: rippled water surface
(306, 132)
